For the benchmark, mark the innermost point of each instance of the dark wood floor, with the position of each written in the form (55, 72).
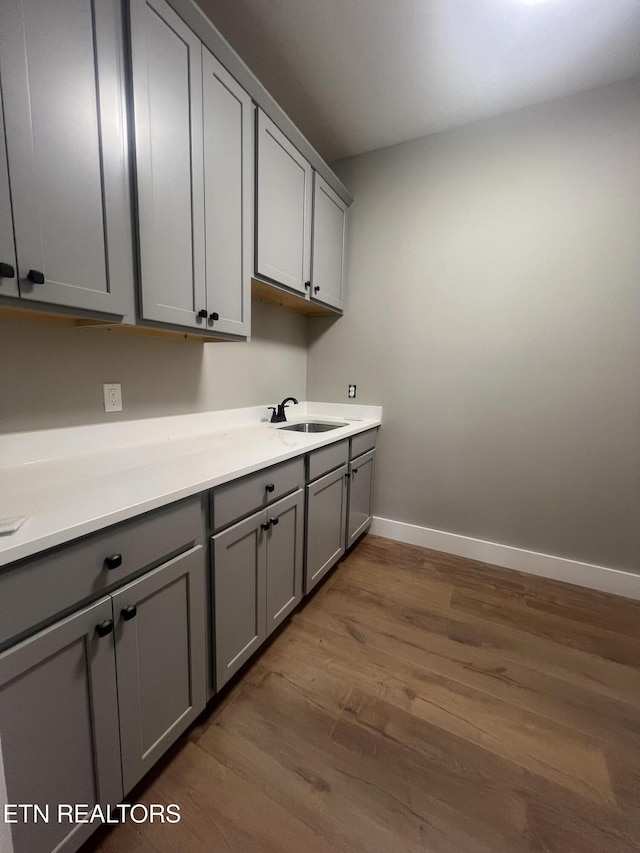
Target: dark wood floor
(417, 702)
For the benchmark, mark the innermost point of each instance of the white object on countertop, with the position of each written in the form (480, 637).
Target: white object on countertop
(10, 525)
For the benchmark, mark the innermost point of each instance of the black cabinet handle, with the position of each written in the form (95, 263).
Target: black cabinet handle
(265, 525)
(214, 315)
(104, 628)
(129, 612)
(6, 271)
(113, 561)
(316, 288)
(202, 313)
(354, 470)
(274, 521)
(35, 277)
(269, 487)
(347, 475)
(307, 285)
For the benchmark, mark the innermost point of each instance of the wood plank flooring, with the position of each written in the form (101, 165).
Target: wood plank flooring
(417, 702)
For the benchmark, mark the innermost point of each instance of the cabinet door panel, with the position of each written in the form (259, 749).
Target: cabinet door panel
(284, 209)
(326, 518)
(284, 558)
(228, 190)
(63, 85)
(167, 96)
(360, 496)
(8, 284)
(59, 737)
(160, 659)
(329, 227)
(239, 567)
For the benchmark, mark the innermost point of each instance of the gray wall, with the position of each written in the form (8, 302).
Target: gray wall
(51, 376)
(494, 311)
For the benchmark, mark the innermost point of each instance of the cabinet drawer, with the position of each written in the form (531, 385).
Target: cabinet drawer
(363, 442)
(327, 458)
(241, 497)
(36, 591)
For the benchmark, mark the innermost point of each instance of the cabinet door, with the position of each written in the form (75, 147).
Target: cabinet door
(160, 631)
(239, 570)
(8, 283)
(326, 518)
(360, 496)
(284, 557)
(228, 196)
(329, 232)
(62, 70)
(167, 100)
(59, 740)
(284, 209)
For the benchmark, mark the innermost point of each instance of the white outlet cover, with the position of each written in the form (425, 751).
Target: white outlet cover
(112, 396)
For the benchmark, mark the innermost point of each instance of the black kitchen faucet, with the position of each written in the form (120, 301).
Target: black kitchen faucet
(278, 415)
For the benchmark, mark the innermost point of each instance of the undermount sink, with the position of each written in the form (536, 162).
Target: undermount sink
(312, 426)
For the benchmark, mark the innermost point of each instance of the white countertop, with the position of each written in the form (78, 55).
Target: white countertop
(71, 482)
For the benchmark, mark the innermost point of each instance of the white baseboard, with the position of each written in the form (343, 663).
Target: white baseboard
(601, 578)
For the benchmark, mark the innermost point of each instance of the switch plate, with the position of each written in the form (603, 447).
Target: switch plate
(351, 394)
(112, 397)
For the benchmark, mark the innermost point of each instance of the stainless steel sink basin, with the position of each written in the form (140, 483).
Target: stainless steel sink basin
(312, 426)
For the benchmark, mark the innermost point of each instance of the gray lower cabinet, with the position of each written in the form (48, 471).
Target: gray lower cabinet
(360, 496)
(160, 629)
(257, 580)
(326, 519)
(194, 147)
(63, 93)
(59, 739)
(90, 702)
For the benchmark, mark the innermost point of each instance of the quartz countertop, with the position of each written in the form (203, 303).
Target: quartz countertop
(72, 482)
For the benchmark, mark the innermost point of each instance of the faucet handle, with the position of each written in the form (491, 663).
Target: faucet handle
(273, 414)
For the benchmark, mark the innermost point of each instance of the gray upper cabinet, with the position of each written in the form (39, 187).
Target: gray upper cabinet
(8, 280)
(284, 209)
(194, 144)
(228, 196)
(160, 659)
(328, 253)
(167, 101)
(59, 736)
(63, 92)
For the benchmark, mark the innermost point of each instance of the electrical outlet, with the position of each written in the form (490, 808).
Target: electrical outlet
(351, 394)
(112, 397)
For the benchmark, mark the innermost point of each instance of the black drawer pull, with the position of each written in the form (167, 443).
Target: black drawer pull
(113, 561)
(35, 277)
(6, 271)
(354, 470)
(274, 521)
(202, 313)
(104, 628)
(129, 612)
(347, 475)
(214, 315)
(270, 487)
(307, 285)
(265, 525)
(316, 288)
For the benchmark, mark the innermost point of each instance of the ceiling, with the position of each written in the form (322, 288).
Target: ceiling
(355, 75)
